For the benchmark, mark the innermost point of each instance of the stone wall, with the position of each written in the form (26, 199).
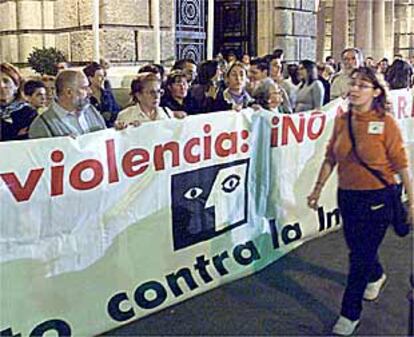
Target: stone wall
(289, 25)
(404, 28)
(126, 30)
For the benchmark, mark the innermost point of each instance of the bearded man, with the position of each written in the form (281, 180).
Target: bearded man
(70, 114)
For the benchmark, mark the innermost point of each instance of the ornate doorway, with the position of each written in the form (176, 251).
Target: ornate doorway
(190, 29)
(235, 26)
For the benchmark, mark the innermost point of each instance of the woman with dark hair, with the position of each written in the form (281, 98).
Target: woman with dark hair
(311, 91)
(154, 68)
(324, 78)
(399, 75)
(365, 134)
(202, 95)
(102, 99)
(176, 92)
(16, 115)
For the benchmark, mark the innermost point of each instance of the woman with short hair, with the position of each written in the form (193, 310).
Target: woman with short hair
(146, 95)
(102, 98)
(268, 95)
(176, 91)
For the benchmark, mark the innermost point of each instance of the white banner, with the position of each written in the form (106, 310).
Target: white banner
(112, 226)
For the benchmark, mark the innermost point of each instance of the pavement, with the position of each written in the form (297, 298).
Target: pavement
(298, 295)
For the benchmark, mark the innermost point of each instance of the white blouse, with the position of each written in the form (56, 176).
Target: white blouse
(134, 113)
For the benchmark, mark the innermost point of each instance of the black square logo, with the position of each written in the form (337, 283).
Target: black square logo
(208, 202)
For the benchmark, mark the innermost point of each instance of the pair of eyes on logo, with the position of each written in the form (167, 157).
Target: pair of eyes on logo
(208, 202)
(229, 185)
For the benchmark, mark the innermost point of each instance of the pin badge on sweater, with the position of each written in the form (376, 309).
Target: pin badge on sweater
(376, 128)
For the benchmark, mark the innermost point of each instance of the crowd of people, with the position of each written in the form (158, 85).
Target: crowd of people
(75, 102)
(81, 101)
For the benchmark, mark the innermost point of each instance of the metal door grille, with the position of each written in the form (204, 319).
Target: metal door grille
(190, 29)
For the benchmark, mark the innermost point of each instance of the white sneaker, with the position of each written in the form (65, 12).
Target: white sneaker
(373, 289)
(344, 326)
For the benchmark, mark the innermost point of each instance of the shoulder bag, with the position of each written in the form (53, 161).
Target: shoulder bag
(399, 209)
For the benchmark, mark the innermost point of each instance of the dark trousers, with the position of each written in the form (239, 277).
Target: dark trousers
(365, 216)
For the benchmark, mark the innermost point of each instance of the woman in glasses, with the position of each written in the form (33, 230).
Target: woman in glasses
(176, 92)
(146, 94)
(268, 95)
(366, 205)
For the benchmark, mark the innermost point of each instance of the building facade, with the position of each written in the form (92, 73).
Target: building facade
(129, 32)
(381, 28)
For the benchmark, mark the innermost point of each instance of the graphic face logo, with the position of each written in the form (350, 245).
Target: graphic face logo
(208, 202)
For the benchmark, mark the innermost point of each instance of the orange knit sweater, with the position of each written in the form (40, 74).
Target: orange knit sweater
(383, 151)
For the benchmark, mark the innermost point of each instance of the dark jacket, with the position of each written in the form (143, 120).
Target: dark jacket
(224, 101)
(108, 107)
(168, 101)
(16, 118)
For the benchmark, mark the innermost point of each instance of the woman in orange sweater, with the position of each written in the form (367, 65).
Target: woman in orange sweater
(363, 200)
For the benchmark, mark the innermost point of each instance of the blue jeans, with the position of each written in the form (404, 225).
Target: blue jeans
(365, 215)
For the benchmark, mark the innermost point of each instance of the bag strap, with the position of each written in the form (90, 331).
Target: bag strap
(46, 123)
(166, 111)
(377, 174)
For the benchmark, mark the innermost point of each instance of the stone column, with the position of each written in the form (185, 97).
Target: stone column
(210, 30)
(29, 18)
(95, 29)
(265, 33)
(379, 29)
(363, 26)
(389, 28)
(340, 27)
(320, 35)
(8, 43)
(155, 16)
(398, 23)
(48, 23)
(411, 30)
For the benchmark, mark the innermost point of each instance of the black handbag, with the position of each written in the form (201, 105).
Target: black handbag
(399, 209)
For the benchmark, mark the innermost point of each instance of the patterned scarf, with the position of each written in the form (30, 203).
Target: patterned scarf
(7, 110)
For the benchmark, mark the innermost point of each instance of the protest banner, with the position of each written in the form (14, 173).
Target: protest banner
(112, 226)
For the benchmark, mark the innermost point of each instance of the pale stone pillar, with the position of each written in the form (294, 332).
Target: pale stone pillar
(95, 30)
(48, 23)
(210, 30)
(265, 27)
(155, 16)
(320, 36)
(379, 29)
(363, 26)
(340, 27)
(398, 25)
(411, 30)
(389, 28)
